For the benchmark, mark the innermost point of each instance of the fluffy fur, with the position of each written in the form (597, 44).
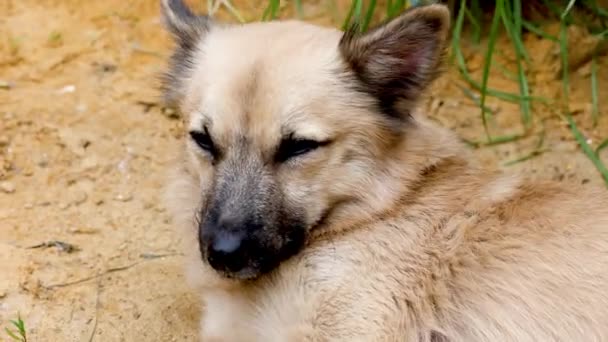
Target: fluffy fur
(407, 239)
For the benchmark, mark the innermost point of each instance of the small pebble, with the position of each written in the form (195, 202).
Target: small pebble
(84, 230)
(79, 198)
(170, 113)
(123, 197)
(44, 203)
(81, 108)
(89, 162)
(148, 205)
(5, 85)
(7, 187)
(43, 160)
(67, 89)
(27, 171)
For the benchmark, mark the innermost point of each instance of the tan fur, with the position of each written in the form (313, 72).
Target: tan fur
(418, 243)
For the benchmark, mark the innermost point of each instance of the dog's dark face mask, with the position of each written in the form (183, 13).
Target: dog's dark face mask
(246, 227)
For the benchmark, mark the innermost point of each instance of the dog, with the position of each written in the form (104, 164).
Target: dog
(317, 203)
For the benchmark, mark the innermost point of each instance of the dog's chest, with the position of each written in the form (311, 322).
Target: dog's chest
(325, 288)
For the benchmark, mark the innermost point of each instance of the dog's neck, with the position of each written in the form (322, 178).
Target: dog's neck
(429, 162)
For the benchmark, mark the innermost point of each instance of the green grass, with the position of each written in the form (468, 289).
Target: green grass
(492, 38)
(513, 23)
(563, 49)
(20, 333)
(601, 146)
(272, 10)
(55, 37)
(537, 151)
(592, 154)
(473, 26)
(595, 111)
(298, 8)
(354, 14)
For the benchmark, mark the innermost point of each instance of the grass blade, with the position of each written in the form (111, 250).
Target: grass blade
(496, 140)
(563, 46)
(526, 115)
(568, 8)
(358, 11)
(266, 13)
(12, 335)
(20, 335)
(488, 62)
(389, 6)
(594, 94)
(592, 4)
(395, 8)
(477, 13)
(601, 146)
(532, 154)
(456, 34)
(234, 11)
(589, 152)
(514, 34)
(368, 15)
(516, 14)
(349, 16)
(475, 26)
(299, 9)
(501, 139)
(537, 151)
(554, 9)
(532, 28)
(505, 71)
(272, 10)
(462, 65)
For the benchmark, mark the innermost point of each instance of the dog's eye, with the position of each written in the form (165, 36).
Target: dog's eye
(203, 140)
(293, 147)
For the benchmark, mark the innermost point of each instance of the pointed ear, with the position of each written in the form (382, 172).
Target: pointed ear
(187, 28)
(396, 61)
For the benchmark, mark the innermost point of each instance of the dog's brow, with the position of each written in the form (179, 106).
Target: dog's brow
(293, 135)
(306, 131)
(298, 126)
(204, 120)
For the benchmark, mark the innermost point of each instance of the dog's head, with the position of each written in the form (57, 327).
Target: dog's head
(288, 122)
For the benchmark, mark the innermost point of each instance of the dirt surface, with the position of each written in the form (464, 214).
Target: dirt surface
(87, 251)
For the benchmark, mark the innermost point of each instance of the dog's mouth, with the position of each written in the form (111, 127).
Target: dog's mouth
(246, 266)
(251, 259)
(247, 273)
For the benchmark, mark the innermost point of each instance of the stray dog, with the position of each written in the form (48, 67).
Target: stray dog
(318, 204)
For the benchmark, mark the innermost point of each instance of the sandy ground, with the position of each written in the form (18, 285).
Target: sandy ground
(84, 146)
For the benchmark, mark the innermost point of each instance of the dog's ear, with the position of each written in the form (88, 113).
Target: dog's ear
(186, 27)
(396, 61)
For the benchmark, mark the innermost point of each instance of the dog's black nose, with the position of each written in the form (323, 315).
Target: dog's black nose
(227, 251)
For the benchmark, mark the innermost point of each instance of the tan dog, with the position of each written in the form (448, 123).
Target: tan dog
(318, 205)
